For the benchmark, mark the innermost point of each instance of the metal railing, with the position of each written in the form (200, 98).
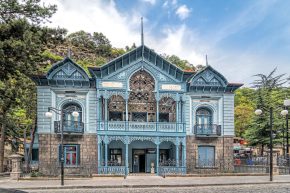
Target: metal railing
(204, 130)
(170, 127)
(69, 127)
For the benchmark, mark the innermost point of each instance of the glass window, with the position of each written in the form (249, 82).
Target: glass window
(206, 156)
(116, 156)
(68, 118)
(203, 116)
(71, 155)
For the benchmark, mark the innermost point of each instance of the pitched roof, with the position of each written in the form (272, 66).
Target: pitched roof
(141, 53)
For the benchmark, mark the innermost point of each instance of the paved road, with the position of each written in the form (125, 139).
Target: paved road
(269, 188)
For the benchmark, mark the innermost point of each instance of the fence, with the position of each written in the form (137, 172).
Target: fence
(248, 165)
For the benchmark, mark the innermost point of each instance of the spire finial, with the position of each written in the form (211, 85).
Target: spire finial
(142, 35)
(68, 52)
(206, 60)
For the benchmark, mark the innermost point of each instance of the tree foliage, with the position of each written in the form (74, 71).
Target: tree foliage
(22, 41)
(268, 93)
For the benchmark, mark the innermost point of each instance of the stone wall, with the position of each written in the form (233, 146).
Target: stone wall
(48, 154)
(223, 153)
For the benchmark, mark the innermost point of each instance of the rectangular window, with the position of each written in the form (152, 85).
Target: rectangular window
(116, 156)
(206, 156)
(71, 154)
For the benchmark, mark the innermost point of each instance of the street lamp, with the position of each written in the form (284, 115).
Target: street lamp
(286, 114)
(259, 112)
(62, 112)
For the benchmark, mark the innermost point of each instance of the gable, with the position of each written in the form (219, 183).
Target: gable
(137, 55)
(67, 70)
(208, 77)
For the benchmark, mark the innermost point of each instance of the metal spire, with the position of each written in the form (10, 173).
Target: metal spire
(68, 53)
(206, 62)
(142, 35)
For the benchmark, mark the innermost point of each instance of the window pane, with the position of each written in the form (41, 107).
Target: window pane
(74, 159)
(67, 159)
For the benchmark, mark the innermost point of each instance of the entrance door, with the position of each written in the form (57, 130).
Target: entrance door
(139, 162)
(142, 163)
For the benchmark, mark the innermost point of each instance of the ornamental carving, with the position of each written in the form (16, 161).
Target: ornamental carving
(167, 109)
(142, 98)
(116, 103)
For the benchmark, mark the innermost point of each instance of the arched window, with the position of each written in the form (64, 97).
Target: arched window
(203, 116)
(142, 103)
(68, 119)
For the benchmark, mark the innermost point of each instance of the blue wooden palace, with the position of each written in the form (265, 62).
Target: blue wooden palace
(137, 114)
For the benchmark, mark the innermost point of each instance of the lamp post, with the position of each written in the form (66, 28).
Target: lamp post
(259, 112)
(61, 112)
(286, 114)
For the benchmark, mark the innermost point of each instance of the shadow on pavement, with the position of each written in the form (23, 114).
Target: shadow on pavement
(11, 191)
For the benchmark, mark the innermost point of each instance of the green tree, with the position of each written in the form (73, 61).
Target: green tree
(183, 64)
(268, 94)
(21, 45)
(244, 108)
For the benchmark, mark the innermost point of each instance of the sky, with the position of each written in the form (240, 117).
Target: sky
(240, 37)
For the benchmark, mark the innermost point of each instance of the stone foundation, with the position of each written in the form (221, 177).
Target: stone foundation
(223, 154)
(49, 163)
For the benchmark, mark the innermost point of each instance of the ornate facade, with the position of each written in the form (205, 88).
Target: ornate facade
(137, 113)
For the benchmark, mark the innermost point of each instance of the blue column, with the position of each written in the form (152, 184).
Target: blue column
(127, 160)
(106, 154)
(99, 154)
(184, 155)
(177, 152)
(157, 159)
(106, 109)
(177, 110)
(157, 111)
(127, 115)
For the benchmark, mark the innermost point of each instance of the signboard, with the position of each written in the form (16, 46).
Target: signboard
(112, 84)
(171, 87)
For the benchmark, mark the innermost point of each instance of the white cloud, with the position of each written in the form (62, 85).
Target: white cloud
(123, 28)
(168, 3)
(183, 12)
(152, 2)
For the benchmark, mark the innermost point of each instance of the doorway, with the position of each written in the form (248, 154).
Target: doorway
(139, 163)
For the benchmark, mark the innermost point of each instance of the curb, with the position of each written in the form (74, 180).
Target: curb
(144, 186)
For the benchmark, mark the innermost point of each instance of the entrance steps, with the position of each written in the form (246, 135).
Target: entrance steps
(140, 176)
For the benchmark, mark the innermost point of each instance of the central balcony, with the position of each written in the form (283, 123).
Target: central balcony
(132, 126)
(207, 130)
(69, 127)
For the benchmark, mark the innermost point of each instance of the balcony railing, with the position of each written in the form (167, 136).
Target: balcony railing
(203, 130)
(141, 126)
(69, 127)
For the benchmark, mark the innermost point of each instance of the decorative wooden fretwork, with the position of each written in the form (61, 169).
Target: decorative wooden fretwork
(167, 109)
(116, 104)
(142, 98)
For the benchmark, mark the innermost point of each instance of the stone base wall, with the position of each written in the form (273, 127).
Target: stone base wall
(223, 154)
(49, 154)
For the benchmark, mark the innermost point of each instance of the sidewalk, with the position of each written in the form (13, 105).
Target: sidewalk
(140, 182)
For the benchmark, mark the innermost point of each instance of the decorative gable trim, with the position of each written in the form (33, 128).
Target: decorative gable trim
(67, 70)
(208, 77)
(141, 53)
